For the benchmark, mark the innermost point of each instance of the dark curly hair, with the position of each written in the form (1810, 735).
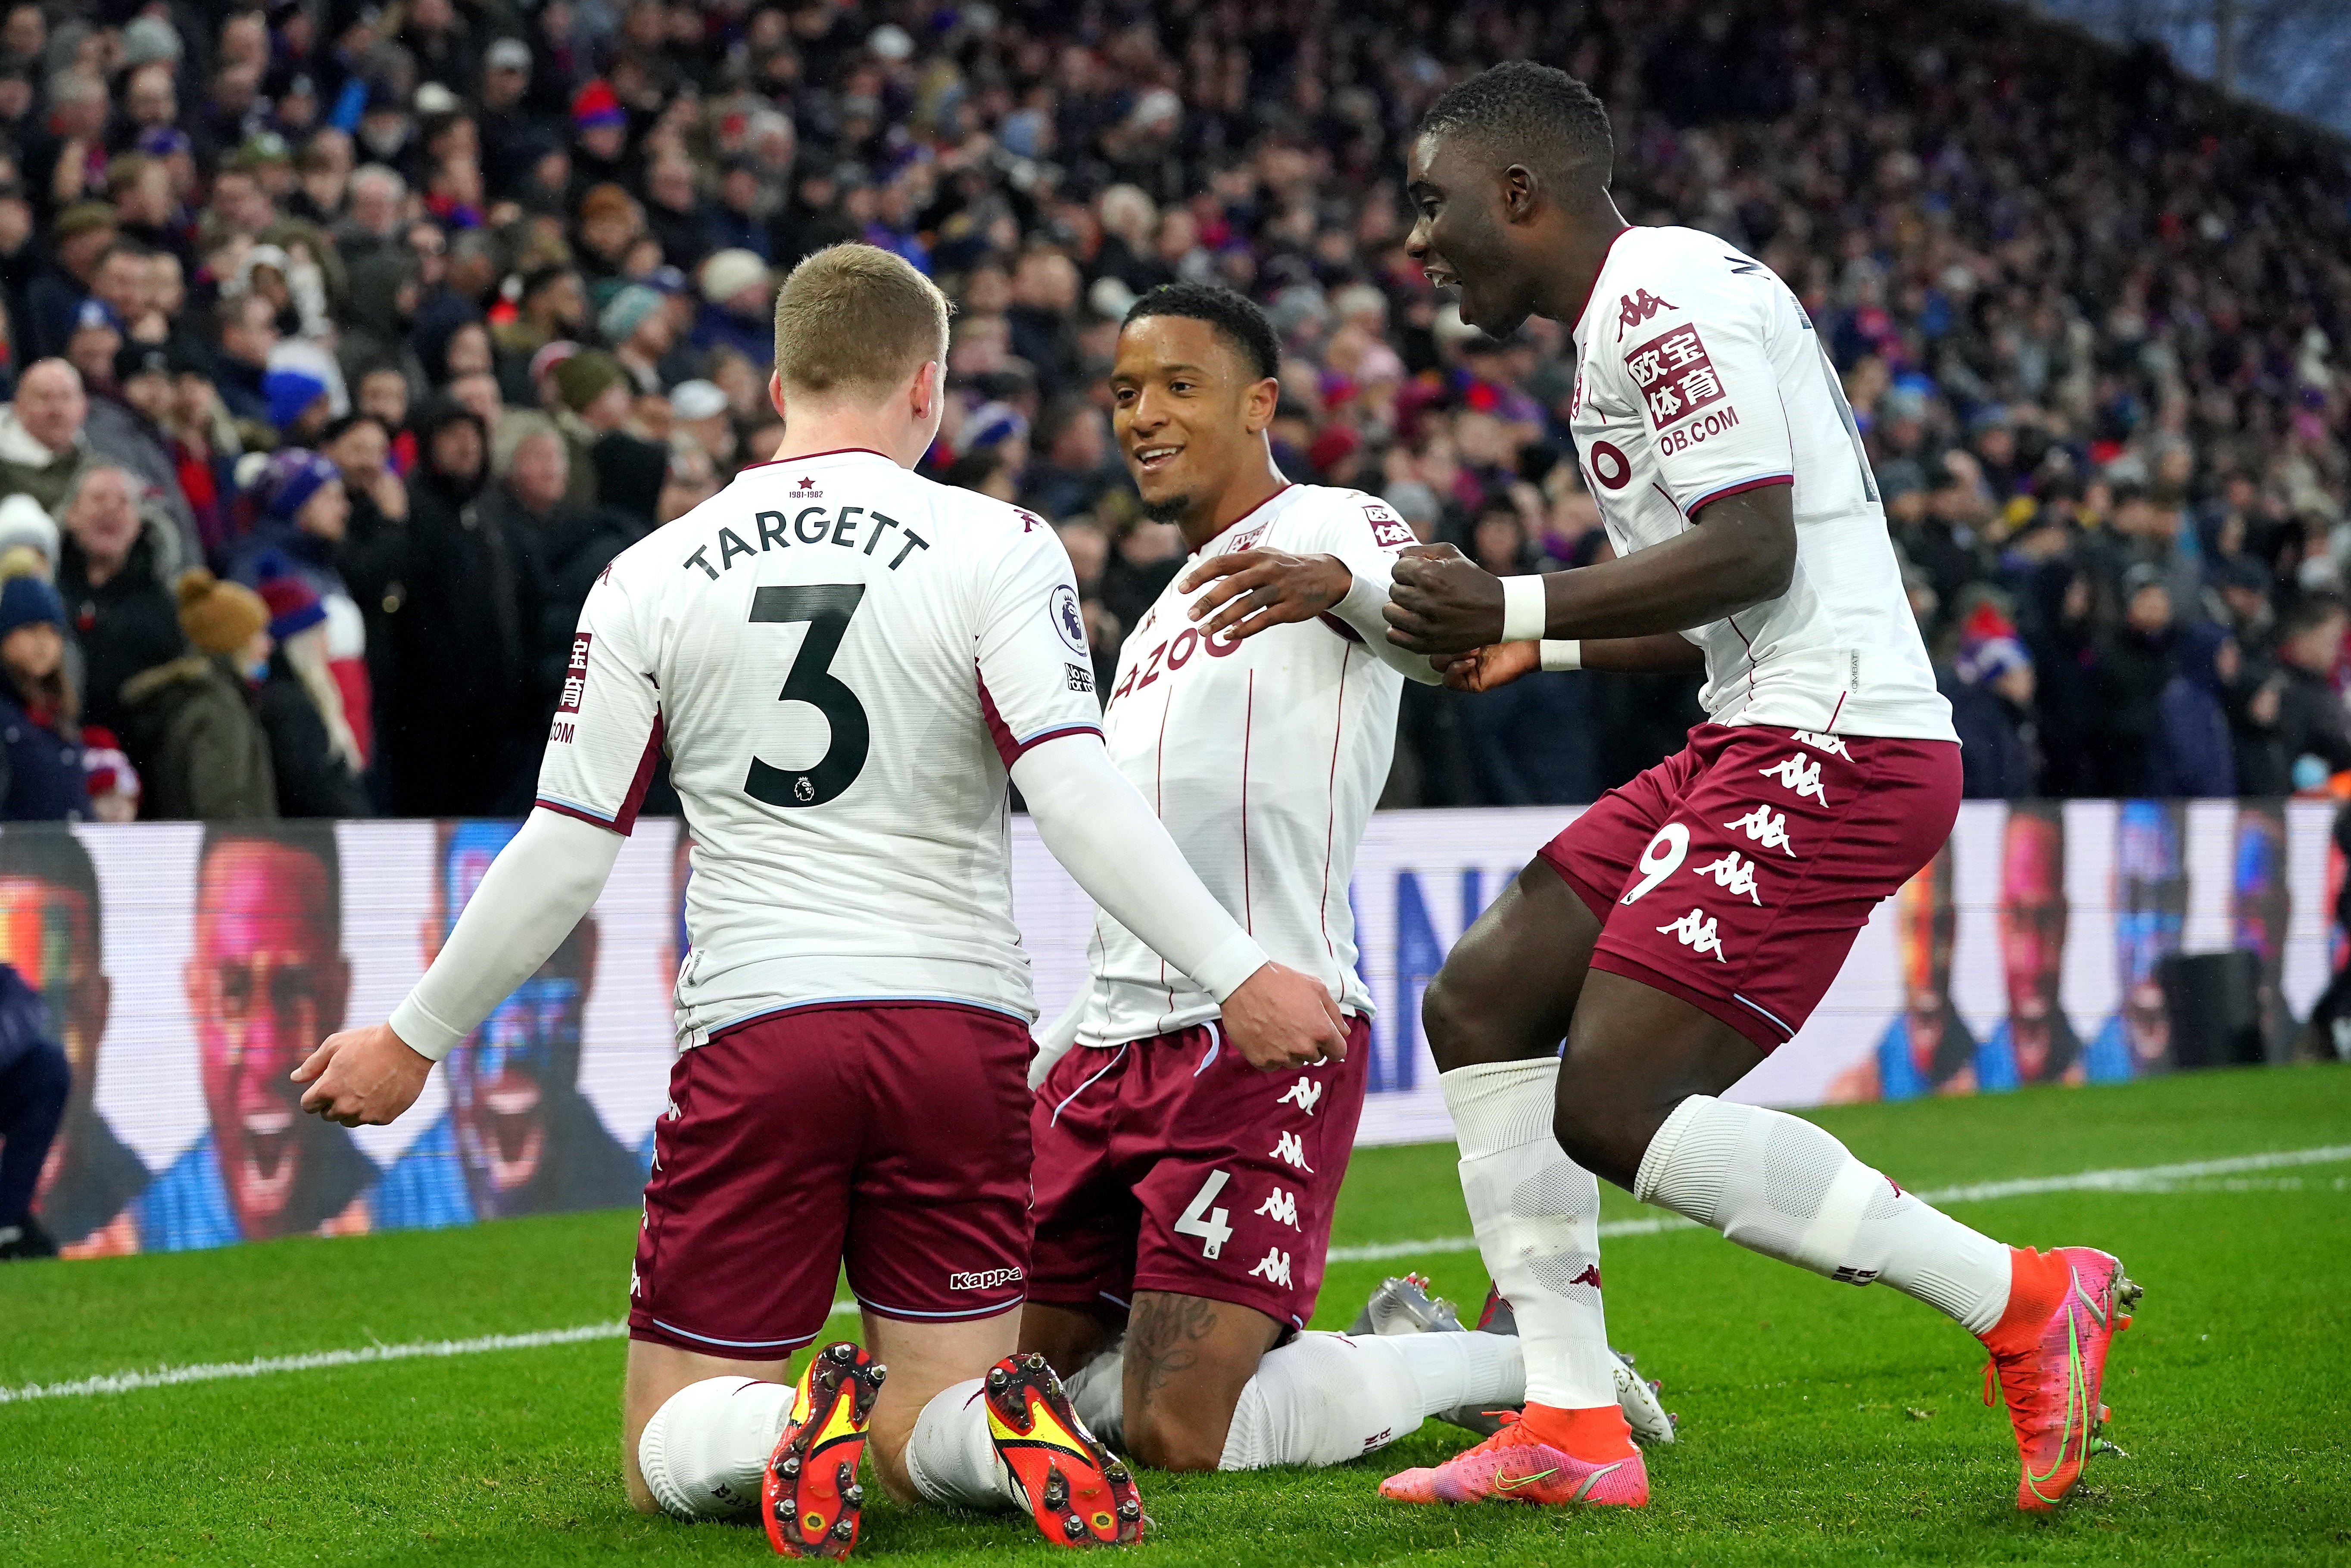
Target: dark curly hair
(1243, 325)
(1520, 112)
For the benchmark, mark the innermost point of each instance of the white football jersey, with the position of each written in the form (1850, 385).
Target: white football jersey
(1697, 376)
(1263, 757)
(842, 659)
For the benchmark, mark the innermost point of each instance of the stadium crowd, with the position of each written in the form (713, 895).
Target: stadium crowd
(345, 344)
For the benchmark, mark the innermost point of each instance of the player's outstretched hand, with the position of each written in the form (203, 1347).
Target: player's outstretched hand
(362, 1077)
(1280, 1018)
(1443, 602)
(1483, 669)
(1258, 590)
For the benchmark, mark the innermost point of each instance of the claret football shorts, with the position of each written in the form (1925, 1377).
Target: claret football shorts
(889, 1140)
(1736, 873)
(1170, 1164)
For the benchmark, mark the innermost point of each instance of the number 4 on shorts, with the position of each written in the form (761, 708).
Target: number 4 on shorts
(1206, 1223)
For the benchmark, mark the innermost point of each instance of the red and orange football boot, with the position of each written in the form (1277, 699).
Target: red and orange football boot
(809, 1498)
(2049, 1355)
(1514, 1465)
(1077, 1490)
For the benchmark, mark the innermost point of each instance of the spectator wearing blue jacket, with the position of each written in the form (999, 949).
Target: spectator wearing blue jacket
(2190, 753)
(41, 777)
(34, 1081)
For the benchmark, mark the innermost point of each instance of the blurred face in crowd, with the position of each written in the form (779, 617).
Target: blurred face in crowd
(359, 451)
(167, 284)
(34, 652)
(104, 517)
(383, 397)
(91, 350)
(1500, 540)
(540, 471)
(251, 332)
(2149, 613)
(2033, 934)
(265, 985)
(328, 512)
(50, 403)
(2315, 648)
(152, 97)
(561, 305)
(469, 350)
(1189, 416)
(457, 449)
(1089, 549)
(121, 282)
(478, 395)
(375, 205)
(150, 393)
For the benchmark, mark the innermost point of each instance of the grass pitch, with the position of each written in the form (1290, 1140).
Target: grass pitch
(1819, 1423)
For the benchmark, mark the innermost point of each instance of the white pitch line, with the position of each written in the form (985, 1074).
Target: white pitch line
(2143, 1178)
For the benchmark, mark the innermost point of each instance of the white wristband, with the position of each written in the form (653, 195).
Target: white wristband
(1562, 653)
(1525, 608)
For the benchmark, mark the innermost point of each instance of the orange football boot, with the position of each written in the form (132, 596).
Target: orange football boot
(1077, 1490)
(809, 1498)
(2049, 1355)
(1514, 1465)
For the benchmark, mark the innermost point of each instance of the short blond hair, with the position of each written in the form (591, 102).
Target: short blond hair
(855, 320)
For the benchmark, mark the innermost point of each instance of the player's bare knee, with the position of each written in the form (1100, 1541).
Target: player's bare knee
(1165, 1441)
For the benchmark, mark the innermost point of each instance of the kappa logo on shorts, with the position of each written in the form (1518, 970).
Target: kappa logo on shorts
(1303, 1093)
(1274, 1267)
(1766, 827)
(1735, 874)
(1799, 773)
(1695, 931)
(1832, 744)
(985, 1278)
(1289, 1147)
(1282, 1207)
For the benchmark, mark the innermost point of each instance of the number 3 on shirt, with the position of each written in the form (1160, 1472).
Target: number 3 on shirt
(826, 607)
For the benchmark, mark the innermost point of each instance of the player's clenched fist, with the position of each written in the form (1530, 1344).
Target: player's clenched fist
(362, 1077)
(1280, 1018)
(1443, 602)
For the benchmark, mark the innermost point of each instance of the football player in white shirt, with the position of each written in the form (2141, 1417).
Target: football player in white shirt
(1689, 923)
(1182, 1196)
(843, 662)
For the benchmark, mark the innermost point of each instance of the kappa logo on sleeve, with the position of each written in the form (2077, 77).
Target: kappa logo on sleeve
(1676, 376)
(575, 674)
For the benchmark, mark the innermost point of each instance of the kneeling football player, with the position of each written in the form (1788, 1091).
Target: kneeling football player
(1183, 1191)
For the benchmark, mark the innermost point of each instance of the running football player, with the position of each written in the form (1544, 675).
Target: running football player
(1183, 1198)
(1686, 925)
(843, 662)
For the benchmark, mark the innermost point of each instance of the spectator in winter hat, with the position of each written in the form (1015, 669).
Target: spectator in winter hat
(2192, 752)
(112, 783)
(200, 750)
(299, 406)
(704, 419)
(24, 525)
(599, 129)
(40, 764)
(637, 325)
(302, 531)
(79, 240)
(739, 296)
(314, 757)
(1990, 688)
(97, 336)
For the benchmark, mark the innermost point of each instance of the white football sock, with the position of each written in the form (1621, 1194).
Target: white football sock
(1097, 1392)
(1783, 1187)
(1537, 1216)
(951, 1458)
(705, 1451)
(1325, 1398)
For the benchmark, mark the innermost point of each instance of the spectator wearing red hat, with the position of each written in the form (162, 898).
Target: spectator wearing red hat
(313, 757)
(599, 133)
(112, 782)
